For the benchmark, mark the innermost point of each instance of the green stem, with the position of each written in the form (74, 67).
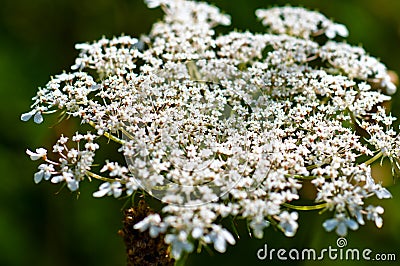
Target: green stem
(301, 177)
(193, 71)
(108, 135)
(102, 178)
(311, 167)
(306, 207)
(126, 133)
(373, 159)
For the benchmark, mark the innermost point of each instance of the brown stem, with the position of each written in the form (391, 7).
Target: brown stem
(141, 249)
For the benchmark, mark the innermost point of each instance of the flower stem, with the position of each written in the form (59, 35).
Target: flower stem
(306, 207)
(99, 177)
(301, 177)
(373, 159)
(108, 135)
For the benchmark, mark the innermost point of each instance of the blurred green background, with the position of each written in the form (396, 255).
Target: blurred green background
(40, 227)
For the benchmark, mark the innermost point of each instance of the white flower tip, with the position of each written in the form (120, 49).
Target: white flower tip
(57, 179)
(38, 177)
(342, 30)
(330, 33)
(225, 20)
(260, 13)
(153, 3)
(75, 67)
(140, 225)
(38, 154)
(231, 240)
(73, 185)
(220, 245)
(117, 193)
(336, 29)
(341, 229)
(100, 193)
(153, 232)
(330, 224)
(289, 233)
(26, 116)
(38, 118)
(258, 233)
(29, 152)
(379, 222)
(197, 232)
(391, 88)
(383, 193)
(353, 225)
(83, 46)
(360, 221)
(379, 210)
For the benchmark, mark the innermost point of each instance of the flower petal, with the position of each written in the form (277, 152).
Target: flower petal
(100, 193)
(38, 118)
(341, 229)
(220, 244)
(330, 224)
(38, 176)
(38, 154)
(383, 193)
(353, 225)
(73, 185)
(57, 179)
(26, 116)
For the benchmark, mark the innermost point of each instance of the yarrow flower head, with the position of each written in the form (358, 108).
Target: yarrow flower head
(224, 126)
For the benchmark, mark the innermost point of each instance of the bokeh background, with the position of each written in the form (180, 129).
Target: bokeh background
(40, 225)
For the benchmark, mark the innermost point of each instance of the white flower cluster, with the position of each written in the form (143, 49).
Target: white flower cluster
(237, 121)
(300, 22)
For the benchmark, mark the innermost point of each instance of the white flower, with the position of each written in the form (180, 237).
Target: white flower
(37, 116)
(179, 244)
(373, 215)
(67, 177)
(288, 223)
(258, 227)
(152, 223)
(91, 146)
(380, 192)
(115, 169)
(236, 120)
(197, 232)
(109, 189)
(131, 185)
(341, 223)
(334, 29)
(299, 22)
(219, 236)
(45, 171)
(154, 3)
(39, 153)
(388, 84)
